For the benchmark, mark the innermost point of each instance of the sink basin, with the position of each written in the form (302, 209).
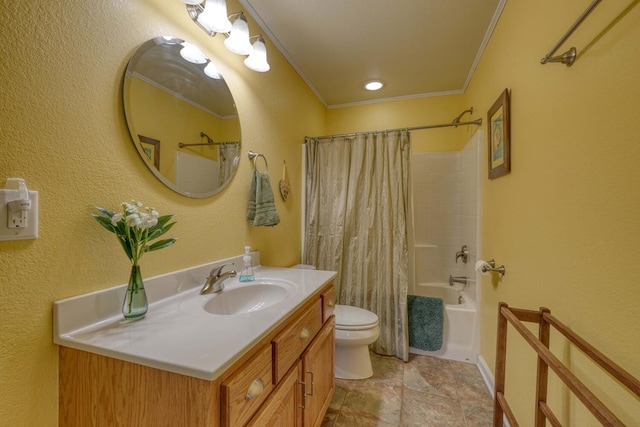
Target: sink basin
(246, 299)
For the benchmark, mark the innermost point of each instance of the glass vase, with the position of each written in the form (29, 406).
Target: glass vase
(135, 303)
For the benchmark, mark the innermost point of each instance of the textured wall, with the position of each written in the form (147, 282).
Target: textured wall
(565, 221)
(63, 130)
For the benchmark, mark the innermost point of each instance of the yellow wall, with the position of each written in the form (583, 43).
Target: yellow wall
(566, 221)
(63, 130)
(160, 123)
(406, 113)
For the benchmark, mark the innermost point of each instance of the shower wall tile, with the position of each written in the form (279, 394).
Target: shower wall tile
(445, 209)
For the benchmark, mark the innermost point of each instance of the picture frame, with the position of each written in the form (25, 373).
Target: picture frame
(499, 140)
(151, 148)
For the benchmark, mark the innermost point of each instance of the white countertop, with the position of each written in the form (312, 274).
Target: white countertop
(177, 335)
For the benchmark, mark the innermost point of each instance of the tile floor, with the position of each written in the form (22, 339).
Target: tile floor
(426, 391)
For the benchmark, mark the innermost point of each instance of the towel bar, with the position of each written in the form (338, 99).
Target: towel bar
(253, 156)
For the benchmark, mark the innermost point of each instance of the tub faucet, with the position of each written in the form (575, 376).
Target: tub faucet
(215, 281)
(462, 279)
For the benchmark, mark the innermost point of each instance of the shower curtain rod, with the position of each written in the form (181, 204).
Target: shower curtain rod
(455, 123)
(182, 144)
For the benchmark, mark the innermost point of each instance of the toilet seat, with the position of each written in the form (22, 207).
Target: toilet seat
(349, 318)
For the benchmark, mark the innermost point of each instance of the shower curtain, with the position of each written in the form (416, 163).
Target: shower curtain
(227, 155)
(356, 224)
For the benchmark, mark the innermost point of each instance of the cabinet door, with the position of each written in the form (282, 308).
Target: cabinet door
(282, 407)
(318, 375)
(246, 389)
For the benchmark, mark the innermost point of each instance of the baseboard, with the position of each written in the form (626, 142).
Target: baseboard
(487, 376)
(489, 381)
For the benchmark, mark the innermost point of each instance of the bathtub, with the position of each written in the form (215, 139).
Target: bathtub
(460, 322)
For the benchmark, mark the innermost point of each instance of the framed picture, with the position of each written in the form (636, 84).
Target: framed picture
(499, 137)
(151, 148)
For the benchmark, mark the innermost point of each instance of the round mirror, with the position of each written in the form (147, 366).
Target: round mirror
(181, 117)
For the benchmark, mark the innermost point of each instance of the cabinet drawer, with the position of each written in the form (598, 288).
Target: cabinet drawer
(282, 407)
(328, 302)
(292, 341)
(245, 390)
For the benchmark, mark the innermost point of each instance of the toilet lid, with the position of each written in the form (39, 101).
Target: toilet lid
(349, 317)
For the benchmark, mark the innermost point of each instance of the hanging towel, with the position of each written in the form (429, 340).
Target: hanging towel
(262, 209)
(426, 322)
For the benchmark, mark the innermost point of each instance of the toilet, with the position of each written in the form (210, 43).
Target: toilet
(356, 328)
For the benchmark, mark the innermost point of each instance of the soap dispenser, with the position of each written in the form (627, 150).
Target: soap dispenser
(247, 269)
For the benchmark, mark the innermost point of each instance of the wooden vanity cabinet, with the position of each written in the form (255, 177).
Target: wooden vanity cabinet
(318, 375)
(283, 408)
(285, 380)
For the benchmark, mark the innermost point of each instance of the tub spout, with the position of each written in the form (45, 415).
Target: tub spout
(462, 279)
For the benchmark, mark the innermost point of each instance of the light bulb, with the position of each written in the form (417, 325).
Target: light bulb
(238, 41)
(191, 1)
(373, 85)
(214, 17)
(192, 54)
(257, 60)
(212, 71)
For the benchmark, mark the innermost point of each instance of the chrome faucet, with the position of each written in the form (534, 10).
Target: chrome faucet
(215, 281)
(463, 253)
(462, 279)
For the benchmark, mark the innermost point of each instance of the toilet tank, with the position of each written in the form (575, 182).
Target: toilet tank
(304, 267)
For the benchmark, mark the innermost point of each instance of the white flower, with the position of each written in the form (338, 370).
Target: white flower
(116, 219)
(133, 220)
(135, 228)
(147, 221)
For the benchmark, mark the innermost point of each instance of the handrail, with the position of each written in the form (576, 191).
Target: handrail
(546, 359)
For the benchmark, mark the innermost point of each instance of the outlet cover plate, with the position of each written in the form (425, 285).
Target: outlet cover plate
(28, 232)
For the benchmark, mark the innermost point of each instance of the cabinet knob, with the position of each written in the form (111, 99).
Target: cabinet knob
(306, 333)
(256, 387)
(331, 303)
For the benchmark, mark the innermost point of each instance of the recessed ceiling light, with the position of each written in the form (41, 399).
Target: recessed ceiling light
(373, 85)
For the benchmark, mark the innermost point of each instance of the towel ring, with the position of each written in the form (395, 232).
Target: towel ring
(253, 156)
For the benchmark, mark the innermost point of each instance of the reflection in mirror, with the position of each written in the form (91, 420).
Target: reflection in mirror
(182, 117)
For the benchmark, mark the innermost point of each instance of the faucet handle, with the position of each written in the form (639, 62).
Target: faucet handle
(217, 270)
(463, 253)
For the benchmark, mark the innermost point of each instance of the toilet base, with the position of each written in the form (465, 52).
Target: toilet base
(353, 363)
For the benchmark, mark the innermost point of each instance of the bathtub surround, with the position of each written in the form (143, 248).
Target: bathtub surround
(356, 208)
(446, 206)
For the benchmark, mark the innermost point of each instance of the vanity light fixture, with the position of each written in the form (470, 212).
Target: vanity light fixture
(238, 40)
(211, 17)
(257, 60)
(212, 71)
(192, 54)
(214, 17)
(373, 85)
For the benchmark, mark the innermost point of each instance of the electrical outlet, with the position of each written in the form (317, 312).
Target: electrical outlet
(18, 211)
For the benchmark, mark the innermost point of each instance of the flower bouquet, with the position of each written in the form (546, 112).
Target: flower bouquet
(135, 230)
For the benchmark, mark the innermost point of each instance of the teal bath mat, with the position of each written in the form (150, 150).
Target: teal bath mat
(426, 322)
